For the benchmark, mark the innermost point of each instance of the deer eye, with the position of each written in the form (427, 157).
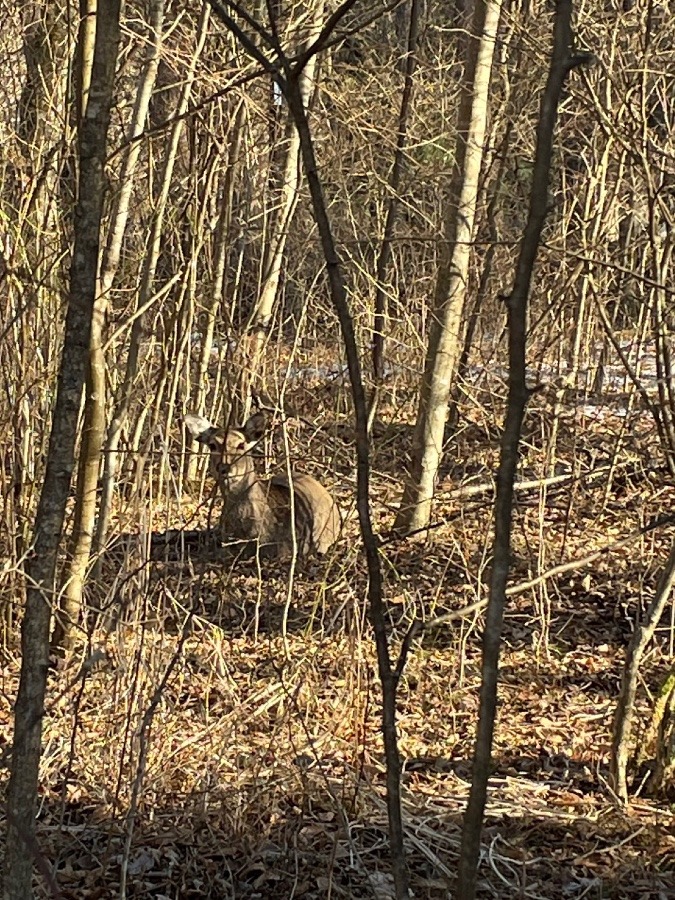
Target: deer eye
(241, 446)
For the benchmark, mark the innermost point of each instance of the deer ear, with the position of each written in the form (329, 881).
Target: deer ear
(200, 428)
(255, 426)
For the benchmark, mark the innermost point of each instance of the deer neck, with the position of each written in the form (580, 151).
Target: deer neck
(244, 485)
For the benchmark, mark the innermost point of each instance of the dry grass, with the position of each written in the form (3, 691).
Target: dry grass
(219, 736)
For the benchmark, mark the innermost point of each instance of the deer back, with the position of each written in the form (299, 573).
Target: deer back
(316, 517)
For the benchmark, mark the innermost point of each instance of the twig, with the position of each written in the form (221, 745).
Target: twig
(571, 565)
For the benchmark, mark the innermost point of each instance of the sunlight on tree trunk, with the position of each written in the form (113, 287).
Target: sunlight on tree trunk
(450, 296)
(660, 737)
(95, 409)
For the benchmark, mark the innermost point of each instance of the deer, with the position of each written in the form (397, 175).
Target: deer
(267, 511)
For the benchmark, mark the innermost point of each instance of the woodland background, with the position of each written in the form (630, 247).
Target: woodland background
(212, 725)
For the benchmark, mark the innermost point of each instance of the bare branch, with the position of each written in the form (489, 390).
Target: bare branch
(220, 9)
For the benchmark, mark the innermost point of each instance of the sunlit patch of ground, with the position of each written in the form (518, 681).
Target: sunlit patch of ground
(226, 742)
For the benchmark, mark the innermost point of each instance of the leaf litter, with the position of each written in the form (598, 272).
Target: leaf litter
(260, 774)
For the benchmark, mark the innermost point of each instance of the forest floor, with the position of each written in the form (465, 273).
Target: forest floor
(222, 739)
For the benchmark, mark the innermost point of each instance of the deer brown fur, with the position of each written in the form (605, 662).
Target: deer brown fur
(256, 509)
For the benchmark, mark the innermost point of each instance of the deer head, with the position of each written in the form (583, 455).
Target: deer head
(279, 513)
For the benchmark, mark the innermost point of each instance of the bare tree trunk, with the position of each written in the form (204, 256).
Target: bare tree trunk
(36, 209)
(562, 61)
(289, 81)
(95, 402)
(661, 735)
(21, 849)
(388, 675)
(444, 339)
(483, 283)
(87, 48)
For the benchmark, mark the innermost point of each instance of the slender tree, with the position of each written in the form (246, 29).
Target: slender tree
(562, 61)
(123, 396)
(445, 344)
(21, 849)
(625, 708)
(96, 392)
(288, 75)
(248, 361)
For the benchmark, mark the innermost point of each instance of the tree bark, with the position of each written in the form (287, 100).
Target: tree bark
(95, 399)
(450, 296)
(562, 61)
(21, 852)
(388, 676)
(288, 78)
